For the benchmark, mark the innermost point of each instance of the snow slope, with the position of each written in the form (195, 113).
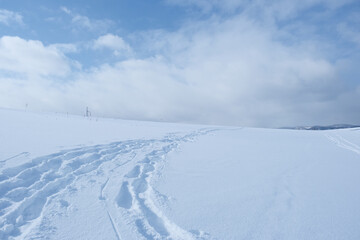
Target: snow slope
(66, 177)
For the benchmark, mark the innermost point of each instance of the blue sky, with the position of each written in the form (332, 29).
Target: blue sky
(47, 21)
(237, 62)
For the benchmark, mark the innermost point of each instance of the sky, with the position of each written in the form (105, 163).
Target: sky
(254, 63)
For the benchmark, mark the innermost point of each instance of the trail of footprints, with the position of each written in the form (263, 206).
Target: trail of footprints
(136, 196)
(25, 189)
(136, 192)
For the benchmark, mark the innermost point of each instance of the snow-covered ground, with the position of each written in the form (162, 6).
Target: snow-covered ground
(68, 177)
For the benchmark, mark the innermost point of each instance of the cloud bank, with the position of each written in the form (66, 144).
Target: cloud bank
(230, 70)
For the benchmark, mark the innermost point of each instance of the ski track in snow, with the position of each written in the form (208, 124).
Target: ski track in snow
(23, 154)
(344, 143)
(25, 190)
(17, 155)
(113, 226)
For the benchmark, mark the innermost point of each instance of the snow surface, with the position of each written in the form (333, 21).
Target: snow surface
(68, 177)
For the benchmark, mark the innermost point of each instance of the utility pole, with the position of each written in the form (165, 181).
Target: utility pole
(87, 113)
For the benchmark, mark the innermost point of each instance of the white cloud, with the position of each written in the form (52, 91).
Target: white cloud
(31, 58)
(283, 9)
(7, 17)
(230, 70)
(65, 47)
(208, 5)
(91, 25)
(65, 10)
(279, 9)
(223, 72)
(84, 22)
(348, 29)
(112, 42)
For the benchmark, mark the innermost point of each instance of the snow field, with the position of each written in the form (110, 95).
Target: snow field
(266, 184)
(28, 191)
(73, 178)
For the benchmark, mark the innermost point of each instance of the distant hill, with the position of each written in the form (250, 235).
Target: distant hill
(329, 127)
